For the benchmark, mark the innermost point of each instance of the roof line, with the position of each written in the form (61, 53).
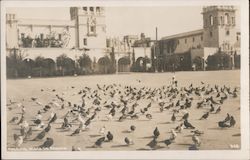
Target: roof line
(182, 34)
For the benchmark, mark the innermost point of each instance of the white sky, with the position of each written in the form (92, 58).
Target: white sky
(122, 21)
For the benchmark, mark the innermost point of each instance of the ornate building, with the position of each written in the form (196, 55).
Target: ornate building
(85, 32)
(218, 35)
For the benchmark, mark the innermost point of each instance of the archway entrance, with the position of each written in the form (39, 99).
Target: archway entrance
(124, 64)
(104, 64)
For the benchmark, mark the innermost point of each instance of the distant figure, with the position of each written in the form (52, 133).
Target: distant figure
(174, 81)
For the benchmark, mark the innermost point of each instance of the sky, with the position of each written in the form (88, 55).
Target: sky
(122, 21)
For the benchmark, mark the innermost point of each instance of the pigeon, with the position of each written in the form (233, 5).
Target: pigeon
(53, 119)
(218, 110)
(33, 98)
(21, 120)
(188, 125)
(40, 136)
(167, 142)
(18, 141)
(204, 116)
(47, 129)
(227, 118)
(156, 132)
(99, 142)
(37, 121)
(132, 128)
(173, 118)
(196, 140)
(28, 133)
(74, 148)
(47, 144)
(152, 144)
(110, 136)
(15, 137)
(173, 135)
(185, 116)
(13, 120)
(222, 124)
(77, 131)
(102, 130)
(197, 132)
(232, 121)
(149, 116)
(128, 141)
(179, 128)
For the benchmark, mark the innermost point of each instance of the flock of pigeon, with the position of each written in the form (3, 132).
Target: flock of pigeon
(121, 103)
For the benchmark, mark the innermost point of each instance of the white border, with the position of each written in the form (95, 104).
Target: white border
(214, 154)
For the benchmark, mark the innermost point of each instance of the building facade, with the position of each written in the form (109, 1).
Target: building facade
(85, 33)
(132, 53)
(181, 51)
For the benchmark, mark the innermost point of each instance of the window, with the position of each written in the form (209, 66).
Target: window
(185, 40)
(211, 20)
(91, 9)
(201, 38)
(92, 29)
(226, 18)
(193, 39)
(85, 41)
(85, 8)
(178, 42)
(227, 33)
(237, 38)
(60, 37)
(233, 22)
(211, 34)
(221, 20)
(215, 20)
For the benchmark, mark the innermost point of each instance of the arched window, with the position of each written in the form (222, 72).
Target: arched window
(211, 20)
(221, 20)
(91, 9)
(226, 18)
(233, 22)
(85, 8)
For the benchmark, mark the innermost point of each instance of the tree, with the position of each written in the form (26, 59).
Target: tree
(198, 62)
(14, 63)
(219, 61)
(113, 61)
(85, 62)
(65, 64)
(39, 63)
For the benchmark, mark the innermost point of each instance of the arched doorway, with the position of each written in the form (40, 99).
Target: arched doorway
(141, 64)
(104, 65)
(124, 64)
(49, 67)
(65, 65)
(29, 64)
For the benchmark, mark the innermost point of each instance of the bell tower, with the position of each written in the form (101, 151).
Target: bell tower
(219, 27)
(90, 26)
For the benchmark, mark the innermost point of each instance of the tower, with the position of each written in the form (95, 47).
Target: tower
(11, 31)
(219, 27)
(90, 27)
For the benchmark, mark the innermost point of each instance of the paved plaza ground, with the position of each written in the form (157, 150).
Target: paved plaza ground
(22, 90)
